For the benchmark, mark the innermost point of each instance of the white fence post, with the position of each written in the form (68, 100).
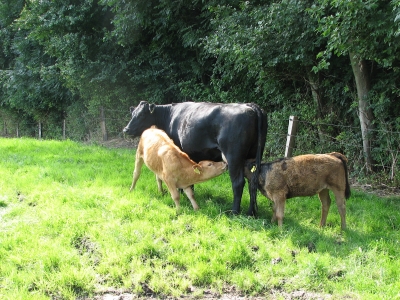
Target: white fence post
(40, 130)
(103, 124)
(291, 136)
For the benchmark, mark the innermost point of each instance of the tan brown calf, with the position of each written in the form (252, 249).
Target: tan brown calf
(304, 175)
(172, 166)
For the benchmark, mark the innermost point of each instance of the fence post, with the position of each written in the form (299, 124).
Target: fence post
(103, 124)
(5, 128)
(64, 129)
(291, 136)
(17, 130)
(40, 130)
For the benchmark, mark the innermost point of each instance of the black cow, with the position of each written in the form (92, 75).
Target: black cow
(211, 131)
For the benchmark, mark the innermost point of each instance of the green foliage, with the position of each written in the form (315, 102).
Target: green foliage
(366, 28)
(66, 59)
(261, 49)
(29, 81)
(162, 43)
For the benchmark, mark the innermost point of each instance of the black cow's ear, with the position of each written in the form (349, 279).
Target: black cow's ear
(152, 107)
(132, 108)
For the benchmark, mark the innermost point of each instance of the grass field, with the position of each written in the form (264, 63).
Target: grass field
(70, 229)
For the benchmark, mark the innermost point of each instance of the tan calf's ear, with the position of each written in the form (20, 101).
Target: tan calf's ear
(196, 169)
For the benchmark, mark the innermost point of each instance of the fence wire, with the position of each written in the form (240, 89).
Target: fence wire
(311, 137)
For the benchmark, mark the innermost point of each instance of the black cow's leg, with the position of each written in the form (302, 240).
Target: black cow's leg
(237, 180)
(236, 174)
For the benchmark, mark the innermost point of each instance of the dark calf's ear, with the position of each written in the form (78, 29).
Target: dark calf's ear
(132, 108)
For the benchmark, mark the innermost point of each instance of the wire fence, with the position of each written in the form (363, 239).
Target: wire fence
(311, 137)
(105, 125)
(314, 137)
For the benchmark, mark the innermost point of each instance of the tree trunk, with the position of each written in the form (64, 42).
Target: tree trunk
(316, 93)
(362, 77)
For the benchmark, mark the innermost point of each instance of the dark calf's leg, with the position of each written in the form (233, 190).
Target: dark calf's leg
(273, 219)
(279, 208)
(326, 204)
(341, 205)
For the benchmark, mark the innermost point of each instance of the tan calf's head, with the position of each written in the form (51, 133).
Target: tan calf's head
(207, 169)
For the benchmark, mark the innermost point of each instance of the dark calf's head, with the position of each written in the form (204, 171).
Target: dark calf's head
(249, 168)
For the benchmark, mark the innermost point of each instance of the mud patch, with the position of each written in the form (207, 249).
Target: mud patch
(380, 189)
(85, 246)
(229, 293)
(3, 206)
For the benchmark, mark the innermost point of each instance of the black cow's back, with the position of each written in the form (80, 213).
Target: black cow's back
(204, 129)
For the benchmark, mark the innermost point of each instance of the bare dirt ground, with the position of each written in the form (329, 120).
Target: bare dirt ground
(379, 189)
(121, 143)
(229, 294)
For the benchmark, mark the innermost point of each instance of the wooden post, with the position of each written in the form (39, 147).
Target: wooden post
(64, 129)
(5, 128)
(103, 124)
(17, 130)
(40, 130)
(291, 136)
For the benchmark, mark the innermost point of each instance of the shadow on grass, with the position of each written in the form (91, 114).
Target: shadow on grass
(369, 219)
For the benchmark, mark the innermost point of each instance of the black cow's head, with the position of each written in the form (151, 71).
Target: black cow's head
(142, 118)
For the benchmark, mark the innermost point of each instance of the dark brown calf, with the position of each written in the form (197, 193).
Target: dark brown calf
(304, 175)
(171, 165)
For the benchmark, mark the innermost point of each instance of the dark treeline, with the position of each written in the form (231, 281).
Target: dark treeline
(326, 61)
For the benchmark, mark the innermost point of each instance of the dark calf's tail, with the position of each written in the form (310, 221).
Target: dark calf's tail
(347, 192)
(262, 125)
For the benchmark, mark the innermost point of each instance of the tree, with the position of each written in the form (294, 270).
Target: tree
(31, 84)
(364, 31)
(163, 40)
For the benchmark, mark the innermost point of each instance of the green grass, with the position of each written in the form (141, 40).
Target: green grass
(69, 229)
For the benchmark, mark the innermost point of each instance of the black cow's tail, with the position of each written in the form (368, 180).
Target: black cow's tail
(262, 125)
(347, 192)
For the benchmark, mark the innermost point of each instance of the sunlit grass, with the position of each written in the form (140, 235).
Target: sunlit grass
(69, 228)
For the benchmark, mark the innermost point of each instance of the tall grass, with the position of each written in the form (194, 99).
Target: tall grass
(70, 229)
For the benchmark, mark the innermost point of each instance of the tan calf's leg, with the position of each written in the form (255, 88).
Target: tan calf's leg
(189, 192)
(136, 171)
(326, 204)
(159, 185)
(341, 205)
(174, 193)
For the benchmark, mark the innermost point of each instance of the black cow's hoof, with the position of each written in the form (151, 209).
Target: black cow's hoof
(251, 213)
